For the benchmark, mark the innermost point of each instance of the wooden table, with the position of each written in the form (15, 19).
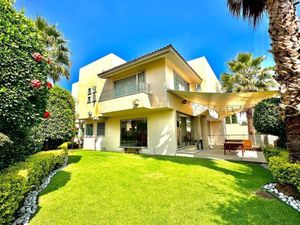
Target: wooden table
(233, 145)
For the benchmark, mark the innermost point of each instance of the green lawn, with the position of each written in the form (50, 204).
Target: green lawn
(115, 188)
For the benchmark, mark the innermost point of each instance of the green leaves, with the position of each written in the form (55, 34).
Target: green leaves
(21, 106)
(57, 49)
(21, 178)
(60, 126)
(267, 119)
(247, 75)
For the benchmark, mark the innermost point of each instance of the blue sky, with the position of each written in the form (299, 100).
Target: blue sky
(132, 28)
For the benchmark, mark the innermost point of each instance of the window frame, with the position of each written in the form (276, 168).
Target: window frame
(104, 128)
(136, 76)
(136, 119)
(178, 77)
(85, 132)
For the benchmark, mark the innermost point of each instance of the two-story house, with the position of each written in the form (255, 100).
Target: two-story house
(135, 104)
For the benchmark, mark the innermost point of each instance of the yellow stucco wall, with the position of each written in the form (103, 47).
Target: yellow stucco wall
(237, 131)
(210, 82)
(161, 132)
(88, 77)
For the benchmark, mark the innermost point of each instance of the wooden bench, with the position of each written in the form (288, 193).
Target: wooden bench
(131, 149)
(233, 144)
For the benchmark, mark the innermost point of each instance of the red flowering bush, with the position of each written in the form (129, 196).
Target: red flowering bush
(49, 85)
(22, 101)
(60, 126)
(46, 115)
(36, 83)
(37, 57)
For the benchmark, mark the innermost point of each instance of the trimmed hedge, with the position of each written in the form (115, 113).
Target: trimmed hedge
(270, 152)
(19, 179)
(285, 172)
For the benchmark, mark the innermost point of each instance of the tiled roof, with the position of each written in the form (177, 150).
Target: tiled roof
(148, 55)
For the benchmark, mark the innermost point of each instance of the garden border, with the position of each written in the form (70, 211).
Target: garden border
(30, 204)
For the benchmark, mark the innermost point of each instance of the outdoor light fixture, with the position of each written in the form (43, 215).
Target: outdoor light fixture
(90, 113)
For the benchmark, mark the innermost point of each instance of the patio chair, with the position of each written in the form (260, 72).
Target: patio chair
(247, 145)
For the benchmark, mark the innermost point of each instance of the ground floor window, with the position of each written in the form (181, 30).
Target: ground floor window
(100, 129)
(134, 133)
(89, 129)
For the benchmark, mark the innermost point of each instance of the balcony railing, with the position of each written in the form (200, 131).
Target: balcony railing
(111, 94)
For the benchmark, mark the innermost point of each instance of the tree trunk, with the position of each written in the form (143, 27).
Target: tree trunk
(251, 131)
(284, 32)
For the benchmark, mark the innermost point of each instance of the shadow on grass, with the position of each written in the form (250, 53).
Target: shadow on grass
(243, 206)
(73, 159)
(57, 182)
(252, 178)
(254, 211)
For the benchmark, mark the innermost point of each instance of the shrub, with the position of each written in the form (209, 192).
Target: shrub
(60, 126)
(4, 140)
(267, 119)
(285, 172)
(23, 93)
(270, 152)
(64, 145)
(23, 177)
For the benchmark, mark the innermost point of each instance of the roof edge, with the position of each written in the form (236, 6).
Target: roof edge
(147, 56)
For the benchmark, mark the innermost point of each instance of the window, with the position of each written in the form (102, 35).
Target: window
(89, 99)
(125, 86)
(89, 91)
(100, 129)
(141, 81)
(130, 85)
(89, 129)
(180, 84)
(134, 133)
(91, 95)
(197, 87)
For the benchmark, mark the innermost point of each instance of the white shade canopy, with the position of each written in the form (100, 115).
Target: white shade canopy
(226, 104)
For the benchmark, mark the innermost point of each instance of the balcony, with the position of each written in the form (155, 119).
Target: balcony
(111, 94)
(115, 101)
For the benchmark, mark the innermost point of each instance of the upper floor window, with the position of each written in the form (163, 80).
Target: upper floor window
(197, 87)
(91, 94)
(180, 84)
(129, 85)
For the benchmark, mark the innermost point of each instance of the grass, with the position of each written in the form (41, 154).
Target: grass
(114, 188)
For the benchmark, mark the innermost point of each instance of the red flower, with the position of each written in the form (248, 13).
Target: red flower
(49, 85)
(46, 115)
(48, 61)
(37, 57)
(36, 83)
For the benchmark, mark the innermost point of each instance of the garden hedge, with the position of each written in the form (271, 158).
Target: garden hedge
(19, 179)
(270, 152)
(285, 172)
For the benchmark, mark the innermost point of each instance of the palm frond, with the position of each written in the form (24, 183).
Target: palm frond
(251, 10)
(41, 23)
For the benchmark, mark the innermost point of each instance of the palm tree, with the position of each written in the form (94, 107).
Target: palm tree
(247, 75)
(284, 33)
(57, 50)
